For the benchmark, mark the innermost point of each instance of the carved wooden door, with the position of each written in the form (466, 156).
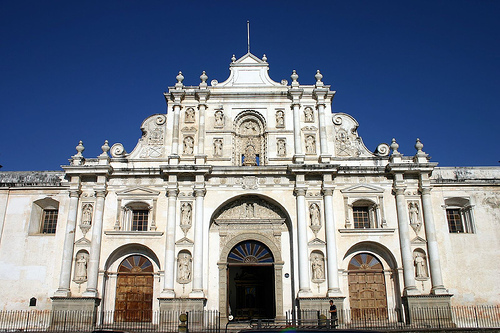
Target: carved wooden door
(134, 290)
(367, 293)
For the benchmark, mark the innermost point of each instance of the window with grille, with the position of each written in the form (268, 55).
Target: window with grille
(49, 221)
(361, 217)
(459, 215)
(140, 220)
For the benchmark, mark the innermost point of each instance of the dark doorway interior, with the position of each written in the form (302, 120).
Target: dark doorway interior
(251, 291)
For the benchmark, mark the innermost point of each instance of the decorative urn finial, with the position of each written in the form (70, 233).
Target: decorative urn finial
(394, 146)
(179, 79)
(80, 148)
(233, 58)
(419, 146)
(203, 79)
(294, 78)
(105, 148)
(264, 58)
(318, 78)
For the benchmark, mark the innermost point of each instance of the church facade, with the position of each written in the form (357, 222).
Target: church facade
(250, 197)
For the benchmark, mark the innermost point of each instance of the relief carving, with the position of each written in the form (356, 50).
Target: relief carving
(317, 267)
(250, 208)
(344, 144)
(219, 118)
(184, 262)
(189, 118)
(413, 211)
(309, 115)
(280, 118)
(87, 213)
(186, 217)
(281, 147)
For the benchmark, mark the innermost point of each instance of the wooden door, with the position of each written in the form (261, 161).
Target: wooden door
(367, 292)
(134, 290)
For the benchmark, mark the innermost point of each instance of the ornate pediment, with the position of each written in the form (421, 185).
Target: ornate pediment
(139, 192)
(363, 188)
(184, 241)
(250, 208)
(316, 241)
(418, 241)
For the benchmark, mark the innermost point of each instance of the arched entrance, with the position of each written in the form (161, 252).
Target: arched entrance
(251, 281)
(134, 290)
(367, 292)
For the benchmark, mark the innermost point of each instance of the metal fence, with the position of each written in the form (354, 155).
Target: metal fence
(210, 321)
(84, 321)
(433, 317)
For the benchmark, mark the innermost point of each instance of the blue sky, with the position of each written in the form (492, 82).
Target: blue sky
(94, 70)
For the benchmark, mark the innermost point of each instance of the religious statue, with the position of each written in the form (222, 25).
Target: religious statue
(219, 118)
(250, 157)
(314, 214)
(420, 265)
(189, 115)
(318, 270)
(310, 144)
(309, 115)
(81, 267)
(87, 214)
(188, 145)
(280, 118)
(184, 268)
(414, 220)
(218, 147)
(186, 212)
(281, 147)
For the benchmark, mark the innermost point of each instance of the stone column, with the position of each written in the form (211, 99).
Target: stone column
(432, 244)
(69, 241)
(177, 96)
(331, 244)
(320, 93)
(202, 96)
(304, 280)
(405, 243)
(95, 247)
(198, 246)
(295, 93)
(168, 282)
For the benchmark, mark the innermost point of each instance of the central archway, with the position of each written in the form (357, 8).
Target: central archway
(255, 236)
(251, 281)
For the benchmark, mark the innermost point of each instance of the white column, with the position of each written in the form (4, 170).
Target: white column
(198, 247)
(95, 247)
(331, 244)
(404, 241)
(168, 281)
(432, 245)
(304, 281)
(323, 144)
(296, 129)
(175, 130)
(69, 241)
(201, 133)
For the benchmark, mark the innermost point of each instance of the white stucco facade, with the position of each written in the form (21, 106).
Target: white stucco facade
(265, 166)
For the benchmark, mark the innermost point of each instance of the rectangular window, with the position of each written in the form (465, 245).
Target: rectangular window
(361, 217)
(49, 221)
(140, 220)
(455, 223)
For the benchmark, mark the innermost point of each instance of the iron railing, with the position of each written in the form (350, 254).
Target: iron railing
(210, 321)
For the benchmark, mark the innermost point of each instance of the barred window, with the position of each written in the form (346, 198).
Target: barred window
(49, 221)
(459, 215)
(140, 220)
(361, 217)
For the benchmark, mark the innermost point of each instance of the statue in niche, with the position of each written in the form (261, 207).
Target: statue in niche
(186, 213)
(188, 145)
(219, 118)
(184, 268)
(420, 265)
(280, 118)
(309, 115)
(317, 265)
(81, 267)
(250, 157)
(189, 115)
(281, 147)
(310, 144)
(413, 214)
(87, 214)
(314, 214)
(218, 147)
